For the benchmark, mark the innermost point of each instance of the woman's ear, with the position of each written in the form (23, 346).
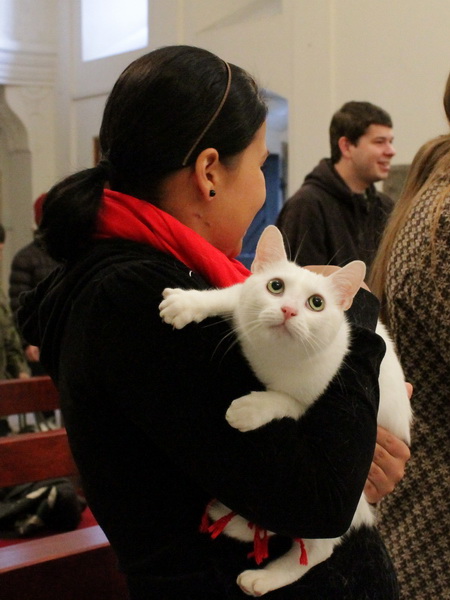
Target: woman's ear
(207, 172)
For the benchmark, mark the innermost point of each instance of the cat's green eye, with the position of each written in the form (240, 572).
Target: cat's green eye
(276, 286)
(316, 303)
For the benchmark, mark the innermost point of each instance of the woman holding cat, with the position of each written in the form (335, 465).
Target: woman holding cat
(183, 141)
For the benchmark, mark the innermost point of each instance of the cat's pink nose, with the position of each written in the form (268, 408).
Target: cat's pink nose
(288, 312)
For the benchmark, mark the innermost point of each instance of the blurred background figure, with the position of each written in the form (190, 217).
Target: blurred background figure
(411, 276)
(30, 265)
(12, 359)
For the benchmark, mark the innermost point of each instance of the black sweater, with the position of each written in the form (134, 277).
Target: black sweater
(144, 407)
(324, 222)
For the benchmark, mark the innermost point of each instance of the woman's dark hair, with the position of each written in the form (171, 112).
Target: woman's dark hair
(155, 112)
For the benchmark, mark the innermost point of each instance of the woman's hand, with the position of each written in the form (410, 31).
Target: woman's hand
(32, 353)
(389, 463)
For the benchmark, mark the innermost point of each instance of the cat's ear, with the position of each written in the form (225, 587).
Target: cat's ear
(347, 281)
(270, 249)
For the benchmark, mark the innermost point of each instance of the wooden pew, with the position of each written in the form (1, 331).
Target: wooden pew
(77, 565)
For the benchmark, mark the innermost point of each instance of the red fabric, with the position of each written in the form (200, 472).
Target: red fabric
(204, 523)
(37, 207)
(260, 544)
(303, 560)
(133, 219)
(218, 526)
(260, 538)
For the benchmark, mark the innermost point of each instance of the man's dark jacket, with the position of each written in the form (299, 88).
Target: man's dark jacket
(324, 222)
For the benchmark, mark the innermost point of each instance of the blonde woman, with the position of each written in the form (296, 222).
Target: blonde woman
(411, 275)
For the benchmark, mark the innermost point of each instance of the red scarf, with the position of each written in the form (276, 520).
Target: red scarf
(126, 217)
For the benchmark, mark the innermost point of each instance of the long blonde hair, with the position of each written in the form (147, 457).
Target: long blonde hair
(431, 162)
(447, 98)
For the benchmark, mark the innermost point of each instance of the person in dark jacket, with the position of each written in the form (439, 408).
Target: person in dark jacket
(29, 266)
(337, 215)
(180, 179)
(12, 359)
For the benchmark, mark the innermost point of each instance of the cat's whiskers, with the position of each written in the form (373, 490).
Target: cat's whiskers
(297, 254)
(310, 341)
(227, 337)
(298, 334)
(249, 329)
(314, 342)
(227, 319)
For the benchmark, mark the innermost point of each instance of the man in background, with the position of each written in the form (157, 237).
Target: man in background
(337, 215)
(12, 359)
(29, 266)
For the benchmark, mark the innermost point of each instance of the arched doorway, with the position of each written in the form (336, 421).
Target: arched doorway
(275, 172)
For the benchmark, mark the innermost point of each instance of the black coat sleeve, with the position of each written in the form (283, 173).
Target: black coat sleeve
(296, 478)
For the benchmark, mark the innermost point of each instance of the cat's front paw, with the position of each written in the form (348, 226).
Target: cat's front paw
(179, 307)
(247, 413)
(255, 582)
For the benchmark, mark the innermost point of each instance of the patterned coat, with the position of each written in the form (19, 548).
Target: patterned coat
(415, 520)
(12, 359)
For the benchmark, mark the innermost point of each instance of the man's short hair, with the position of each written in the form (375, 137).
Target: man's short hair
(352, 121)
(2, 234)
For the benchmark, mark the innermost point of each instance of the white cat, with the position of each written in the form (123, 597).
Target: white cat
(292, 328)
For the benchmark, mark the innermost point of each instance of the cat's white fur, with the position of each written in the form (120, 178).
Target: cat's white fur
(295, 351)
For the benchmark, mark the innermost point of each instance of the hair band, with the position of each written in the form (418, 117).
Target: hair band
(213, 118)
(105, 166)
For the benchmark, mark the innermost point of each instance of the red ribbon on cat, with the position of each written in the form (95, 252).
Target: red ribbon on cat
(126, 217)
(303, 553)
(260, 544)
(260, 537)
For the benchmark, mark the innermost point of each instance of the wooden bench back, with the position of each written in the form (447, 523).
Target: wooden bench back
(77, 565)
(38, 455)
(34, 394)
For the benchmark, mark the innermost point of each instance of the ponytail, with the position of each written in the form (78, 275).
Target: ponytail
(70, 213)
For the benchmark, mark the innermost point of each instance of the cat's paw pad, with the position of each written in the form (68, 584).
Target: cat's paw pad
(255, 582)
(179, 307)
(244, 413)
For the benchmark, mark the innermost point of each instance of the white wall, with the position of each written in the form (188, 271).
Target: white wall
(315, 53)
(396, 54)
(322, 53)
(92, 81)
